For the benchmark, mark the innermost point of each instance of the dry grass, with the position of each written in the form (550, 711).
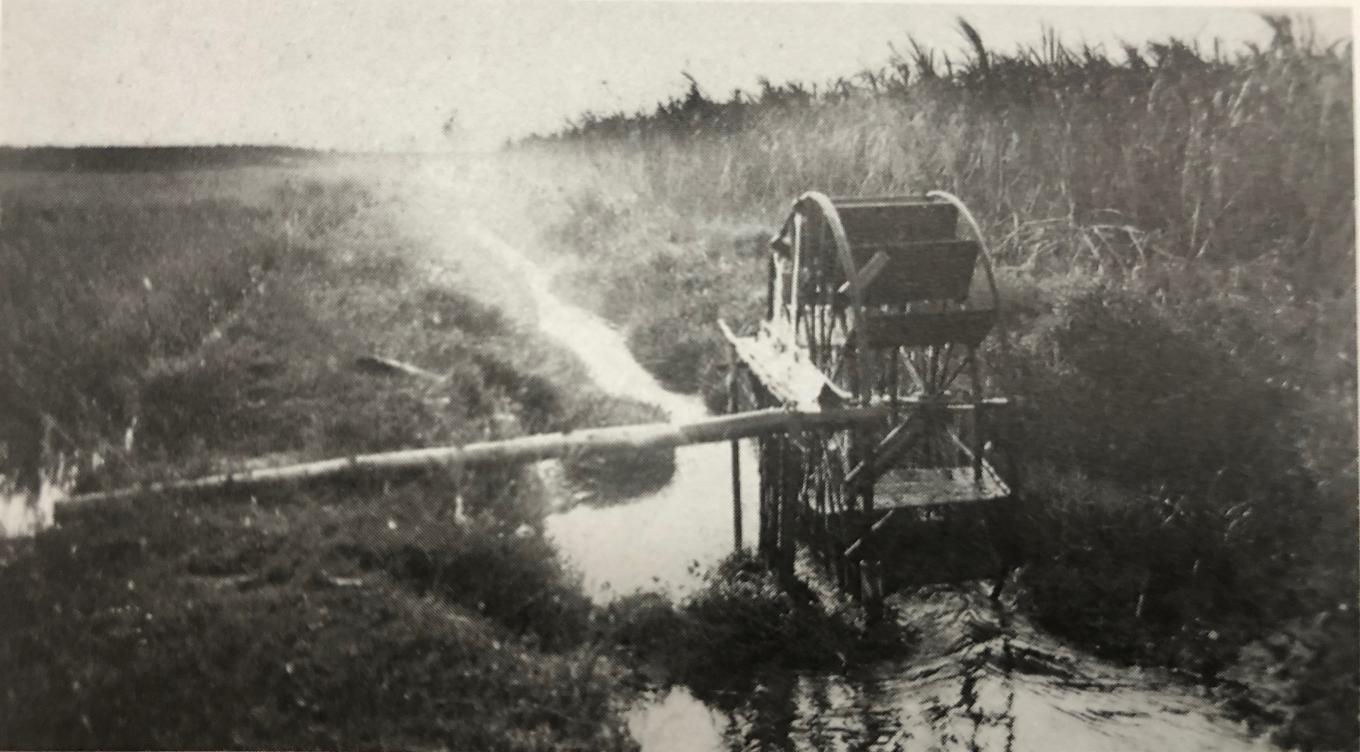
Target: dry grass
(223, 310)
(1176, 237)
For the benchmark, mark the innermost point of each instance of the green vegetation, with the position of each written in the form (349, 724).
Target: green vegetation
(216, 316)
(1176, 237)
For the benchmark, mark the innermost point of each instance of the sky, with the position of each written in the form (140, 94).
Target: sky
(365, 75)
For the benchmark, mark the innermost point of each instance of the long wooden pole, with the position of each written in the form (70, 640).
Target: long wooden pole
(521, 449)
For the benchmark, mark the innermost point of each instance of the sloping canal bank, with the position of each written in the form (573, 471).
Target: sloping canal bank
(422, 611)
(968, 673)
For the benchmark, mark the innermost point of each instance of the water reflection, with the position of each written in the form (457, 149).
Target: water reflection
(998, 685)
(673, 720)
(661, 541)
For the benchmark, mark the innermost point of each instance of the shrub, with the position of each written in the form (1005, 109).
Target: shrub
(739, 626)
(421, 610)
(1174, 320)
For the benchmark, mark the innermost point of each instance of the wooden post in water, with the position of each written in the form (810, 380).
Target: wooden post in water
(789, 483)
(975, 374)
(766, 543)
(733, 384)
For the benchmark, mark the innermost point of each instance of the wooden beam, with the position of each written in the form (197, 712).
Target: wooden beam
(768, 512)
(521, 449)
(897, 439)
(866, 273)
(790, 484)
(962, 407)
(733, 404)
(859, 542)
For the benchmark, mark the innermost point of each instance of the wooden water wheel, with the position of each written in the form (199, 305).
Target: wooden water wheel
(889, 304)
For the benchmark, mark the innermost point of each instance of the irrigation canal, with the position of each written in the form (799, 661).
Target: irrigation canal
(983, 678)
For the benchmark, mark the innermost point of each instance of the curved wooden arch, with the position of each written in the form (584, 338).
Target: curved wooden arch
(833, 219)
(976, 229)
(860, 374)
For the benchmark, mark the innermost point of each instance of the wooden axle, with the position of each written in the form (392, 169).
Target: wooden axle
(521, 449)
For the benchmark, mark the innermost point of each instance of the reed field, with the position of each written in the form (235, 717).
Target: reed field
(1174, 228)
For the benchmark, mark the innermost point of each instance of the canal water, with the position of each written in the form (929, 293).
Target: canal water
(982, 678)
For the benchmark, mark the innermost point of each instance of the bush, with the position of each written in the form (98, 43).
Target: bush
(739, 626)
(421, 610)
(100, 285)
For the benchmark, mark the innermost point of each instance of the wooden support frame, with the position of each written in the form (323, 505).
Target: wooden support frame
(733, 404)
(892, 319)
(789, 485)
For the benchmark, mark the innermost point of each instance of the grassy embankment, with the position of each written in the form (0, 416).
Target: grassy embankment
(1175, 232)
(219, 313)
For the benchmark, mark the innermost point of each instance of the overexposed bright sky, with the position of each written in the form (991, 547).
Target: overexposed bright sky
(367, 75)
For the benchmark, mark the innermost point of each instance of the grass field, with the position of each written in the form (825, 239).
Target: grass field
(174, 323)
(170, 323)
(1175, 230)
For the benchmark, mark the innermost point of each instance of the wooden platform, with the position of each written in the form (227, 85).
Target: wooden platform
(901, 488)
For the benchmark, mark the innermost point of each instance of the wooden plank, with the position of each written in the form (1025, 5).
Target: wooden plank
(936, 402)
(924, 487)
(967, 328)
(521, 449)
(936, 270)
(785, 370)
(889, 221)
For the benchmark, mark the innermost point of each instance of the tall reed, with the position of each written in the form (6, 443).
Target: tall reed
(1175, 230)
